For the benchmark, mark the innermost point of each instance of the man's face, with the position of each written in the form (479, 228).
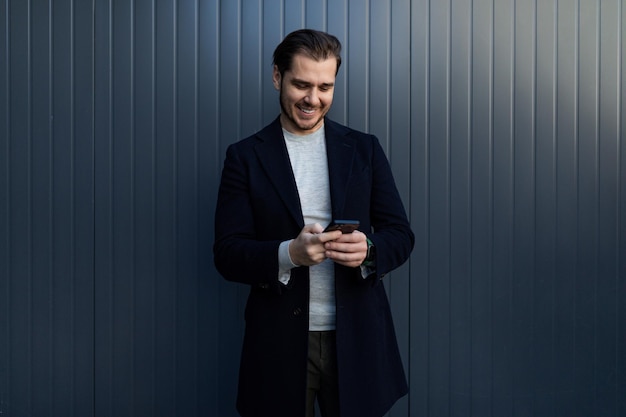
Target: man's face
(306, 93)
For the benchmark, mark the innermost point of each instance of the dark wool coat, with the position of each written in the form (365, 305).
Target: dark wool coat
(258, 207)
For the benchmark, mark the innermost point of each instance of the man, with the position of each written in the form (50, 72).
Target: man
(318, 323)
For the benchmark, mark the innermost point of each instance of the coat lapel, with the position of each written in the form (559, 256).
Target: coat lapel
(273, 156)
(340, 151)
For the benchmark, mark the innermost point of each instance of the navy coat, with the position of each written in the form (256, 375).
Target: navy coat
(257, 208)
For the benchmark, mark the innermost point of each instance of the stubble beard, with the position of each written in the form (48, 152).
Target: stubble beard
(292, 119)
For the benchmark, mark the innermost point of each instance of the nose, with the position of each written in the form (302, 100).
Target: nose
(312, 97)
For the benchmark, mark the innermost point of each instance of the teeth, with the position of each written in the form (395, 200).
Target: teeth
(307, 111)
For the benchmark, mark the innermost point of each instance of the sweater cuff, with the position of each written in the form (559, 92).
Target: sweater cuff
(285, 264)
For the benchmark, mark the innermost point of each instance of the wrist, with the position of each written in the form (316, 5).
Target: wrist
(292, 257)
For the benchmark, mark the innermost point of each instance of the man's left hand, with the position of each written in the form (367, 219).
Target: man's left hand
(350, 249)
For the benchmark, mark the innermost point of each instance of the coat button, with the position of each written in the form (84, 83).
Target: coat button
(297, 311)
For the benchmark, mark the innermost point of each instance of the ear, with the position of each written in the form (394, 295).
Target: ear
(276, 77)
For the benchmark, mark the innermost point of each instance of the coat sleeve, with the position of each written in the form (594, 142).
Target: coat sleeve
(392, 233)
(238, 253)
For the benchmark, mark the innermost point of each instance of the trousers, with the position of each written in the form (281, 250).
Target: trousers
(322, 382)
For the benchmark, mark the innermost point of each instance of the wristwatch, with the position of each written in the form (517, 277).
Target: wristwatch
(370, 259)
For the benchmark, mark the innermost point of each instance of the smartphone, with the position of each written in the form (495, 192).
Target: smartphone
(346, 226)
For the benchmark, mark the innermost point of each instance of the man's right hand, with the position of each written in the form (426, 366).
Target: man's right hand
(308, 248)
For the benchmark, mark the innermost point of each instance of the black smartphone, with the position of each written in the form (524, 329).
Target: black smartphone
(346, 226)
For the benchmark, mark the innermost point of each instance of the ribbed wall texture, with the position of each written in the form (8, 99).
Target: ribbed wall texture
(504, 123)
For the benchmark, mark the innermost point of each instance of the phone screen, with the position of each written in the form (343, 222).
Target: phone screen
(346, 226)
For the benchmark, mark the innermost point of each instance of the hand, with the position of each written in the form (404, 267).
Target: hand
(349, 249)
(308, 248)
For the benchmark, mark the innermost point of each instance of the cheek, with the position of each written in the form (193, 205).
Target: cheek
(327, 99)
(291, 97)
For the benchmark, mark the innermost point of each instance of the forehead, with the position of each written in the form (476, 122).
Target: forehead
(309, 69)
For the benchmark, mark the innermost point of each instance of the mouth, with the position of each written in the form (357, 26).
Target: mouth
(306, 111)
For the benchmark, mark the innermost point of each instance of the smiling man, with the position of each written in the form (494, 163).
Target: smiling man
(306, 93)
(318, 322)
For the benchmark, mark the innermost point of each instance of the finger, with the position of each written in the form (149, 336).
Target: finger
(354, 237)
(316, 228)
(346, 247)
(329, 236)
(353, 264)
(313, 228)
(345, 258)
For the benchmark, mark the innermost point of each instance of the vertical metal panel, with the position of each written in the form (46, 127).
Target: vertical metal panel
(163, 21)
(543, 290)
(503, 122)
(419, 399)
(293, 15)
(315, 14)
(439, 261)
(500, 363)
(103, 243)
(230, 129)
(5, 227)
(336, 18)
(19, 354)
(119, 305)
(47, 354)
(151, 300)
(482, 191)
(607, 318)
(586, 276)
(356, 57)
(377, 70)
(273, 30)
(459, 221)
(210, 366)
(187, 210)
(252, 64)
(523, 203)
(566, 197)
(144, 197)
(81, 164)
(42, 227)
(399, 151)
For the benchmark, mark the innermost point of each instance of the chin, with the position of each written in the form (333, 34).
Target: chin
(309, 124)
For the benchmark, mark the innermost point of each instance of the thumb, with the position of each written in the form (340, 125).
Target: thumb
(313, 228)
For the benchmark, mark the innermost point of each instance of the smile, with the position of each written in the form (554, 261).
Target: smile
(306, 111)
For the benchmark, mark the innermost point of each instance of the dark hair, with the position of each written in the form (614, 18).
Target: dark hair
(312, 43)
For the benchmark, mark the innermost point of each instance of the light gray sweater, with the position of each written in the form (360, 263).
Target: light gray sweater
(310, 168)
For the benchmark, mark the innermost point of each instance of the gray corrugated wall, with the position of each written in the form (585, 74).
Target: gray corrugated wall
(503, 121)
